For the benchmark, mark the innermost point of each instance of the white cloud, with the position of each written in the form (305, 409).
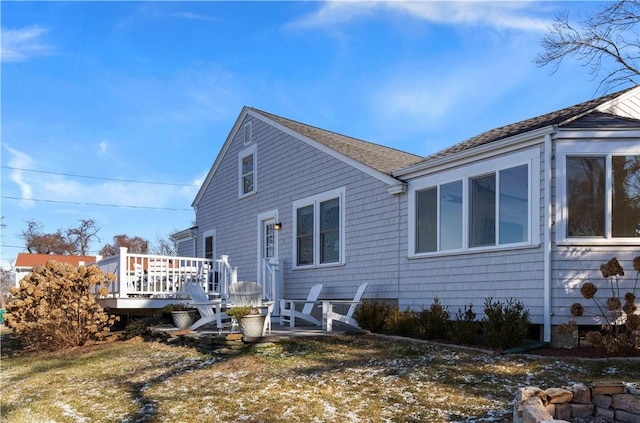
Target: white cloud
(102, 147)
(194, 16)
(19, 45)
(20, 160)
(501, 15)
(431, 95)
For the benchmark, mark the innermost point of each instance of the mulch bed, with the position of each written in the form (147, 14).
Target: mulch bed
(581, 352)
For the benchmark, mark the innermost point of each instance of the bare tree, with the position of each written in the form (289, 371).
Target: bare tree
(606, 42)
(81, 236)
(165, 246)
(75, 240)
(38, 242)
(134, 245)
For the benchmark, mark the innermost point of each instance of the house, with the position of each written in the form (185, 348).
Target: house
(528, 210)
(25, 262)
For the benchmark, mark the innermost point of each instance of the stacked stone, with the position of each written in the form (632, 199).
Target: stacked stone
(225, 344)
(604, 402)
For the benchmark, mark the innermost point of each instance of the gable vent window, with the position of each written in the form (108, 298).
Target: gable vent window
(247, 133)
(247, 167)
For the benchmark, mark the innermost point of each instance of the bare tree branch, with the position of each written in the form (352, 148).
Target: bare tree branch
(606, 43)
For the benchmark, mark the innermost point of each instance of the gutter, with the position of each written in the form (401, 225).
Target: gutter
(548, 223)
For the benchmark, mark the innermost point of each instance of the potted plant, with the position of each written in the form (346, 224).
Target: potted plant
(250, 319)
(183, 315)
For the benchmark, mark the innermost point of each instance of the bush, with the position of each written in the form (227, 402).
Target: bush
(401, 323)
(55, 307)
(372, 315)
(620, 330)
(139, 327)
(506, 324)
(433, 322)
(465, 328)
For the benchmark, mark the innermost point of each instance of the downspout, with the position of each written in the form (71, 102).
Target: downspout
(548, 222)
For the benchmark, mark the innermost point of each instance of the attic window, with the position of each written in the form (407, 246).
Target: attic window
(247, 167)
(247, 133)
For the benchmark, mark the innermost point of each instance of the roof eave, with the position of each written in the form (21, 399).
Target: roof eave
(383, 177)
(216, 163)
(475, 153)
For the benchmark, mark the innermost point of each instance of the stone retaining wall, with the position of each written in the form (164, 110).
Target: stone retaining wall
(603, 402)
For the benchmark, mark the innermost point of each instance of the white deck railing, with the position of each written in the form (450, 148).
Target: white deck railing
(148, 275)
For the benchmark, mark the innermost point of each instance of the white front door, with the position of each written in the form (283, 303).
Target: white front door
(268, 254)
(268, 239)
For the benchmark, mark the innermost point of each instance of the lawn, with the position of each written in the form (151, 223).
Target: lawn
(326, 379)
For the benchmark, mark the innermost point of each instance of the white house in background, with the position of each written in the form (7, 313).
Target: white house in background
(25, 262)
(529, 210)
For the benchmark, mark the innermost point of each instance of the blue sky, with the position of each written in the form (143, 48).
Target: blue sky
(148, 91)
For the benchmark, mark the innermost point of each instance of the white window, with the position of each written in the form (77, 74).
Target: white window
(319, 229)
(492, 204)
(598, 192)
(247, 171)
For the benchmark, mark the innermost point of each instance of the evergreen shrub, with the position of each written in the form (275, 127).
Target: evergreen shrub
(506, 324)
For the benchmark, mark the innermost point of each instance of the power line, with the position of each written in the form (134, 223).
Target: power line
(94, 204)
(98, 177)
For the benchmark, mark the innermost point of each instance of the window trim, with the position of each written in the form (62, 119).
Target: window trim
(250, 151)
(315, 201)
(588, 149)
(529, 157)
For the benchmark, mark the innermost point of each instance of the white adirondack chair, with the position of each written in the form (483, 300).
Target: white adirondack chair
(210, 310)
(289, 313)
(332, 316)
(245, 293)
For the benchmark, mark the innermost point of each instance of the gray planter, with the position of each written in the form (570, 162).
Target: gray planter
(252, 325)
(184, 319)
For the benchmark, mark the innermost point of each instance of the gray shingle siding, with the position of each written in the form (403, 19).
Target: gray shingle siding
(289, 170)
(296, 161)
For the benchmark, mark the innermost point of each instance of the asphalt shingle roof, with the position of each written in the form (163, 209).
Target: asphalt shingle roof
(559, 117)
(381, 158)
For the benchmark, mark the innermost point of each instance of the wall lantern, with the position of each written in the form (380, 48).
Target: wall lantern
(277, 226)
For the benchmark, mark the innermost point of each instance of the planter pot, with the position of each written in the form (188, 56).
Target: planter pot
(252, 325)
(184, 319)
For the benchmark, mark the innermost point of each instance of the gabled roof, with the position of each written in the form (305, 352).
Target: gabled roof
(602, 112)
(30, 260)
(372, 158)
(378, 157)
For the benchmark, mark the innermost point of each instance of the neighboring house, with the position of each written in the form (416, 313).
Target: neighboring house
(528, 210)
(25, 262)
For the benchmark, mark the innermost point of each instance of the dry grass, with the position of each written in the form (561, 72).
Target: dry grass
(362, 378)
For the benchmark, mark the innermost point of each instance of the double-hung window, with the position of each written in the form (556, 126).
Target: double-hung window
(486, 205)
(598, 192)
(319, 229)
(247, 171)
